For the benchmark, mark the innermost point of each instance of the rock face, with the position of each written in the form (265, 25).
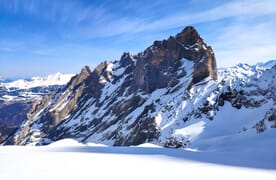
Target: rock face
(149, 97)
(156, 66)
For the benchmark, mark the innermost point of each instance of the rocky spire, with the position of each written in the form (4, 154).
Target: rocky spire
(188, 36)
(85, 70)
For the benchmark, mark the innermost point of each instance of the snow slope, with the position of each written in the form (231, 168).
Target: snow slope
(90, 162)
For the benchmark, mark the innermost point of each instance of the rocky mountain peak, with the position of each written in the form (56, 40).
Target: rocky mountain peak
(110, 93)
(85, 70)
(126, 59)
(188, 36)
(79, 78)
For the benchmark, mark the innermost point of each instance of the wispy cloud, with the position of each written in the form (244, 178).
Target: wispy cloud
(232, 9)
(10, 45)
(63, 11)
(6, 49)
(101, 21)
(249, 43)
(250, 37)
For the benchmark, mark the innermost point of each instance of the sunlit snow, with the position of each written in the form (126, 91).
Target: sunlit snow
(68, 159)
(53, 79)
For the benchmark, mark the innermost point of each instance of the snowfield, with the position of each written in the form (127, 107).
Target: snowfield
(68, 159)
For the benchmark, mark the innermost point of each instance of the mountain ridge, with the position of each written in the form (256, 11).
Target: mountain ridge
(167, 95)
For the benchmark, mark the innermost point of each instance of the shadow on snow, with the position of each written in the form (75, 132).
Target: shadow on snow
(254, 159)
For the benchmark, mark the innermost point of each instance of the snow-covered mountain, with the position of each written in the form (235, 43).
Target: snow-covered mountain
(53, 79)
(17, 96)
(171, 95)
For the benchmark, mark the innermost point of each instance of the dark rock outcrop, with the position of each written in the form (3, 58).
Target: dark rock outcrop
(9, 120)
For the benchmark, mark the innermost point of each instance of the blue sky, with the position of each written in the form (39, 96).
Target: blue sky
(39, 37)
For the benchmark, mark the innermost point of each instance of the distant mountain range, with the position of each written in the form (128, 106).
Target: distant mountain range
(170, 94)
(28, 88)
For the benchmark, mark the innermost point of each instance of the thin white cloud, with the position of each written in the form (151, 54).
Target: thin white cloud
(6, 49)
(232, 9)
(99, 19)
(258, 34)
(63, 12)
(10, 45)
(250, 55)
(106, 24)
(245, 43)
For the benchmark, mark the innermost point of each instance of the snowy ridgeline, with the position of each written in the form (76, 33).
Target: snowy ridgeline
(52, 79)
(29, 89)
(68, 159)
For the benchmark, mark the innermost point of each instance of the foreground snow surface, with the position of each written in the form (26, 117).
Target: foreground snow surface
(77, 161)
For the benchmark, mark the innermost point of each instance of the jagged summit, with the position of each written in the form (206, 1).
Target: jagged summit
(163, 58)
(188, 36)
(126, 59)
(85, 70)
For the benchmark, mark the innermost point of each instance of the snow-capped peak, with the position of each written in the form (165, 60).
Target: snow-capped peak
(269, 64)
(52, 79)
